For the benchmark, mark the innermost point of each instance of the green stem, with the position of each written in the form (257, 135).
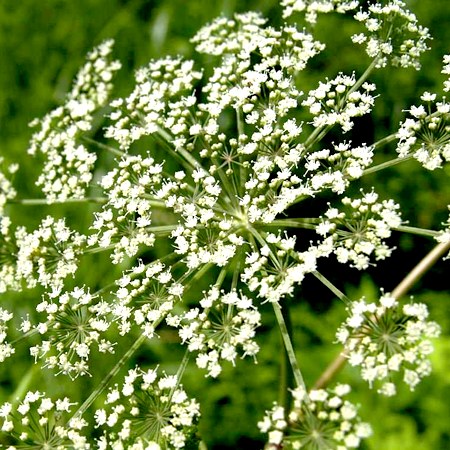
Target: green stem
(307, 223)
(180, 371)
(237, 269)
(385, 140)
(44, 201)
(312, 137)
(340, 295)
(186, 155)
(229, 186)
(363, 77)
(162, 229)
(221, 278)
(284, 376)
(90, 251)
(198, 274)
(25, 381)
(418, 231)
(240, 121)
(112, 150)
(262, 243)
(88, 402)
(392, 162)
(289, 348)
(317, 135)
(153, 202)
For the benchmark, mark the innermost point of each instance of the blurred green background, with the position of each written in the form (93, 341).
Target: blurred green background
(42, 44)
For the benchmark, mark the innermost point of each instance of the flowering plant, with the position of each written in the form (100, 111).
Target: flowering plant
(210, 176)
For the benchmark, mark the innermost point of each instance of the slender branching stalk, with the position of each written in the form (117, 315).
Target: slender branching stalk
(339, 294)
(289, 348)
(385, 165)
(44, 201)
(110, 149)
(112, 373)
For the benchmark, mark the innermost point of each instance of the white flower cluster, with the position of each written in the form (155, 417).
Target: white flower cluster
(162, 98)
(361, 230)
(145, 296)
(444, 235)
(339, 166)
(6, 350)
(244, 35)
(72, 325)
(150, 412)
(385, 339)
(225, 35)
(39, 422)
(122, 225)
(227, 323)
(393, 34)
(336, 102)
(268, 195)
(446, 71)
(326, 421)
(45, 256)
(205, 234)
(239, 81)
(273, 184)
(68, 164)
(275, 270)
(426, 135)
(312, 7)
(7, 191)
(8, 252)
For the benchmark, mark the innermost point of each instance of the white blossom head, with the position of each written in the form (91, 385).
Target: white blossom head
(6, 349)
(149, 411)
(326, 421)
(222, 330)
(337, 102)
(71, 325)
(40, 422)
(389, 342)
(49, 254)
(426, 134)
(393, 34)
(68, 164)
(360, 231)
(7, 191)
(311, 8)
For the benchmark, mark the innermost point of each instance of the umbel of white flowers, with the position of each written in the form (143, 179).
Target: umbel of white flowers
(226, 196)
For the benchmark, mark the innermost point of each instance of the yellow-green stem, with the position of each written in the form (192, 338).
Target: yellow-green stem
(289, 348)
(340, 295)
(112, 150)
(99, 389)
(418, 231)
(385, 165)
(44, 201)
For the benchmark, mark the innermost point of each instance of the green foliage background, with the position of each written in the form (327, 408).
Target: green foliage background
(42, 44)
